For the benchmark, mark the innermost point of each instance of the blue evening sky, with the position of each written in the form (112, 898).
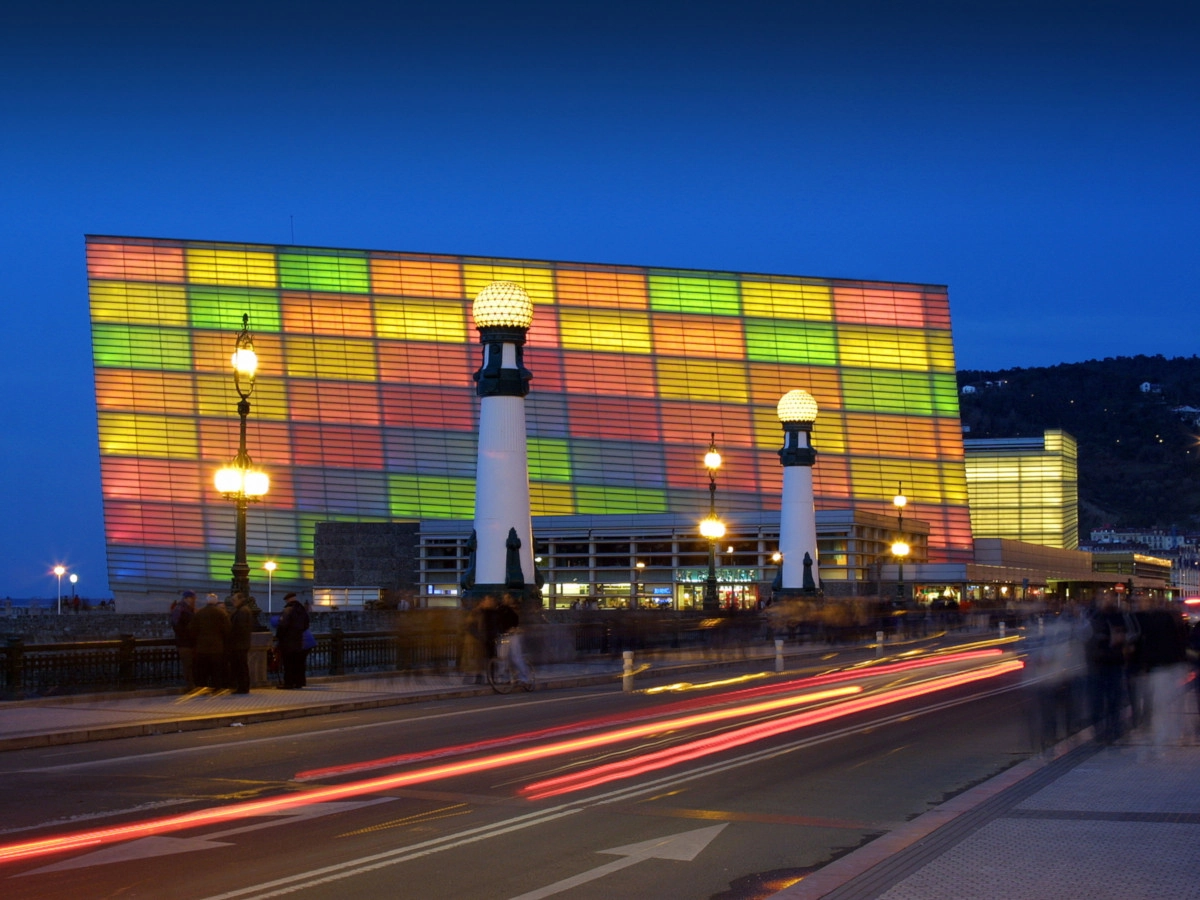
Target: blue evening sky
(1039, 158)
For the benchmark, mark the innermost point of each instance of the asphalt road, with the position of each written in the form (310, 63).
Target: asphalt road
(722, 791)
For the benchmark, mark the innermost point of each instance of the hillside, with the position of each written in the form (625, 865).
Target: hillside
(1139, 461)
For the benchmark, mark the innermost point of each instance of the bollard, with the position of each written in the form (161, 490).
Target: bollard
(1002, 630)
(627, 674)
(879, 643)
(778, 654)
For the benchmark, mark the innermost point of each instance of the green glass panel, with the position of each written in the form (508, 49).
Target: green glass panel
(549, 459)
(141, 347)
(431, 497)
(710, 296)
(320, 272)
(945, 394)
(877, 390)
(775, 340)
(221, 308)
(598, 500)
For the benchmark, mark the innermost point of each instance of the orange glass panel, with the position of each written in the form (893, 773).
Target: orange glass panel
(879, 306)
(831, 481)
(738, 472)
(698, 336)
(626, 290)
(268, 443)
(937, 310)
(543, 333)
(337, 446)
(145, 391)
(426, 363)
(339, 314)
(212, 351)
(691, 424)
(333, 401)
(153, 524)
(546, 366)
(608, 373)
(614, 418)
(135, 262)
(130, 478)
(770, 381)
(419, 407)
(416, 278)
(882, 435)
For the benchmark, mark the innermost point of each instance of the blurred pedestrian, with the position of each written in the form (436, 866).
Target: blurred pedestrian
(210, 628)
(508, 625)
(289, 636)
(242, 625)
(182, 612)
(1107, 652)
(1160, 659)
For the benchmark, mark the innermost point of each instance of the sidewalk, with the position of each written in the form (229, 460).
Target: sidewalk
(1081, 822)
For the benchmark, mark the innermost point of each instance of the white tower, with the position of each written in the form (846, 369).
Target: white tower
(501, 558)
(798, 516)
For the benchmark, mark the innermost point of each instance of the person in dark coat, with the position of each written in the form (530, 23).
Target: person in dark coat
(210, 628)
(182, 613)
(289, 635)
(241, 627)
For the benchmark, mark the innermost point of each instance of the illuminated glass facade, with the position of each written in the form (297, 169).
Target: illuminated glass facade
(364, 408)
(1025, 489)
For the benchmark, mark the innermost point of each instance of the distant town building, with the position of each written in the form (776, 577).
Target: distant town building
(1025, 489)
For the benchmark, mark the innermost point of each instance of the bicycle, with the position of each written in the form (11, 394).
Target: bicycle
(502, 674)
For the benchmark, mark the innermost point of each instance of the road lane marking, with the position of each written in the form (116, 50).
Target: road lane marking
(683, 847)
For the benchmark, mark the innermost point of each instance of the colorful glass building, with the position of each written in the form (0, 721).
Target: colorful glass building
(1025, 489)
(364, 407)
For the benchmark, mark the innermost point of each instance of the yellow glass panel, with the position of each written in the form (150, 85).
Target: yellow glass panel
(217, 397)
(537, 281)
(331, 358)
(135, 434)
(769, 300)
(702, 379)
(828, 436)
(421, 320)
(142, 302)
(607, 330)
(871, 347)
(876, 479)
(551, 499)
(941, 351)
(241, 267)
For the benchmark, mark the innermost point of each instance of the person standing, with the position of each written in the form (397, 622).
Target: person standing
(241, 627)
(210, 628)
(289, 635)
(182, 612)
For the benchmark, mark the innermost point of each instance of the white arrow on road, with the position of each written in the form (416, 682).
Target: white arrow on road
(684, 847)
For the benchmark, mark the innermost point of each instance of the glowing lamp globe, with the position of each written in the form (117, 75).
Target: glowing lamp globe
(797, 406)
(900, 549)
(245, 361)
(257, 483)
(502, 304)
(712, 528)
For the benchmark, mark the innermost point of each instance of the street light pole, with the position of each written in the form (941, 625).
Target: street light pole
(74, 579)
(60, 571)
(712, 527)
(240, 481)
(900, 547)
(270, 566)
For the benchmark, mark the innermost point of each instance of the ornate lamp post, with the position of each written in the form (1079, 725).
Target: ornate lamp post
(240, 481)
(711, 527)
(60, 571)
(900, 548)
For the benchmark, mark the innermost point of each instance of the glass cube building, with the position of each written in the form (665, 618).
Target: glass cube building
(364, 408)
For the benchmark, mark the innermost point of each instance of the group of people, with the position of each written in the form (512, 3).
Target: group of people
(214, 641)
(1116, 668)
(490, 622)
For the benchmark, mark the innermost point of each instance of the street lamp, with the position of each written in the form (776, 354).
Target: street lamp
(240, 481)
(900, 549)
(74, 579)
(711, 527)
(633, 593)
(60, 571)
(270, 566)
